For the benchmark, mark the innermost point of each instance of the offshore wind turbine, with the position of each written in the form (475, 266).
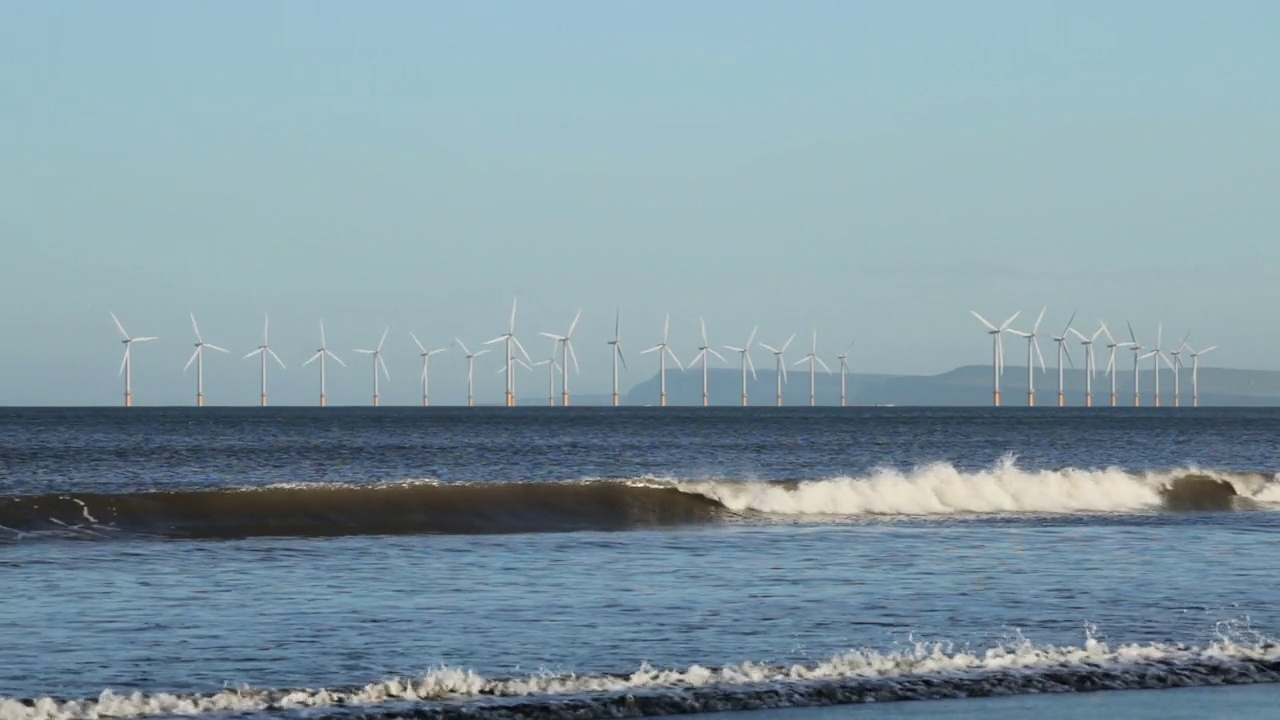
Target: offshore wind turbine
(844, 367)
(1032, 344)
(1176, 354)
(704, 353)
(126, 366)
(1112, 345)
(745, 352)
(376, 354)
(1061, 340)
(198, 358)
(263, 351)
(616, 342)
(780, 369)
(1137, 355)
(663, 349)
(1195, 372)
(1156, 356)
(509, 340)
(812, 358)
(320, 355)
(551, 377)
(997, 351)
(471, 367)
(566, 353)
(1090, 367)
(426, 368)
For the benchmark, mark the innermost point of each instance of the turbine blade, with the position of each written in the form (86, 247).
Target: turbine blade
(1006, 323)
(801, 361)
(824, 365)
(462, 345)
(1067, 351)
(1069, 321)
(335, 358)
(1036, 344)
(417, 342)
(512, 326)
(697, 357)
(383, 364)
(277, 358)
(500, 338)
(476, 355)
(553, 336)
(1132, 337)
(119, 327)
(703, 323)
(787, 344)
(770, 348)
(572, 355)
(1036, 328)
(516, 340)
(266, 323)
(313, 358)
(322, 343)
(751, 365)
(211, 346)
(846, 350)
(621, 357)
(752, 336)
(255, 352)
(145, 339)
(983, 320)
(124, 361)
(194, 355)
(1078, 334)
(713, 352)
(195, 327)
(666, 327)
(735, 349)
(655, 347)
(617, 323)
(573, 325)
(384, 337)
(1106, 331)
(673, 356)
(364, 352)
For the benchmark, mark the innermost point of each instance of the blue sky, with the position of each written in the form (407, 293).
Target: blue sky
(875, 169)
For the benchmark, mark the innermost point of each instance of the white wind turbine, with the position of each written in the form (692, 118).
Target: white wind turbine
(263, 351)
(780, 366)
(1090, 367)
(198, 358)
(509, 340)
(704, 353)
(1176, 354)
(997, 351)
(566, 353)
(813, 359)
(745, 352)
(1156, 355)
(1032, 344)
(553, 366)
(320, 355)
(126, 365)
(1195, 372)
(1137, 355)
(518, 363)
(376, 355)
(844, 368)
(426, 368)
(663, 349)
(1061, 340)
(1112, 345)
(616, 342)
(471, 367)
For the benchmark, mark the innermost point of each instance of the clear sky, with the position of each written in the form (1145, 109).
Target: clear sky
(876, 169)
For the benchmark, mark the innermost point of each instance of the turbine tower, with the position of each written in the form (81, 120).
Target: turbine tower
(1195, 372)
(997, 351)
(1137, 355)
(1177, 369)
(198, 358)
(126, 366)
(426, 368)
(812, 358)
(1156, 355)
(320, 355)
(745, 352)
(616, 342)
(263, 351)
(551, 376)
(511, 342)
(471, 367)
(1111, 361)
(663, 349)
(780, 367)
(703, 354)
(844, 367)
(1090, 367)
(566, 353)
(376, 355)
(1032, 344)
(1061, 340)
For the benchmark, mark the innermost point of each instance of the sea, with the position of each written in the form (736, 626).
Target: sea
(597, 562)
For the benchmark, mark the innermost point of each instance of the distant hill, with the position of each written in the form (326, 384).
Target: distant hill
(966, 385)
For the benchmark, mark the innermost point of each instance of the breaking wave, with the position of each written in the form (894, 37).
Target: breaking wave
(923, 671)
(606, 505)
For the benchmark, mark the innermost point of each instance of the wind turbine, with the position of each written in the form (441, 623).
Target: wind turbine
(616, 342)
(551, 377)
(1177, 369)
(126, 366)
(426, 368)
(509, 339)
(198, 358)
(320, 355)
(1195, 371)
(1061, 340)
(704, 353)
(376, 354)
(663, 350)
(780, 367)
(471, 366)
(1111, 362)
(1032, 344)
(566, 353)
(263, 351)
(844, 367)
(1156, 356)
(1137, 355)
(997, 351)
(518, 363)
(745, 352)
(813, 359)
(1089, 365)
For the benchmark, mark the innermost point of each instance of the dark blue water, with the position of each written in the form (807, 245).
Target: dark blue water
(183, 551)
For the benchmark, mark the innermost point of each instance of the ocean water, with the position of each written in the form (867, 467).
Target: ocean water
(601, 562)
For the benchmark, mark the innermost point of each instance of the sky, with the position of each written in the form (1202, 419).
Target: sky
(873, 170)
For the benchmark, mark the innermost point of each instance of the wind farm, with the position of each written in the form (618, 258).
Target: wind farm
(1075, 387)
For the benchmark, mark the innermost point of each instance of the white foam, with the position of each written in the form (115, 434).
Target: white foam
(919, 661)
